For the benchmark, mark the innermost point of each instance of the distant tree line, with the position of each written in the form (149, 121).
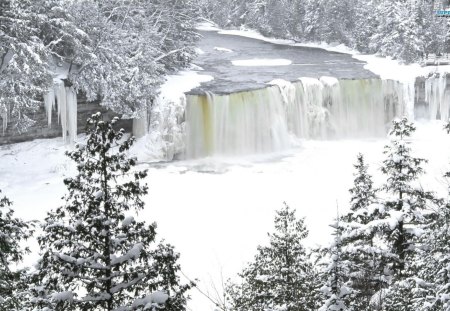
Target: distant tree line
(403, 29)
(114, 50)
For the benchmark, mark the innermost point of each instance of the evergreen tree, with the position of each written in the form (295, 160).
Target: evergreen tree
(13, 231)
(94, 256)
(336, 292)
(406, 201)
(281, 277)
(24, 74)
(360, 245)
(405, 206)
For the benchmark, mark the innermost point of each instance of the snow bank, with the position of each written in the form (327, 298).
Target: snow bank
(223, 49)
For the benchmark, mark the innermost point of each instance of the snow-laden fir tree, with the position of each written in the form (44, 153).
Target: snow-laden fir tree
(360, 245)
(24, 74)
(405, 201)
(281, 277)
(336, 292)
(94, 255)
(13, 231)
(406, 205)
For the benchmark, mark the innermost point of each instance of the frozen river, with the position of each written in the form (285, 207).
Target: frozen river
(240, 63)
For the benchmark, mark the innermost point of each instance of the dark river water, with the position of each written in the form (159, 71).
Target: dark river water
(306, 62)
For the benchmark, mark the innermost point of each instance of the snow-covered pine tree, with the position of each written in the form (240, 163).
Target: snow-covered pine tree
(406, 201)
(359, 239)
(94, 255)
(405, 205)
(13, 231)
(24, 74)
(337, 294)
(281, 277)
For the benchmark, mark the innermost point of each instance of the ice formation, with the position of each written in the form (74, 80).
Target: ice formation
(274, 118)
(438, 98)
(65, 100)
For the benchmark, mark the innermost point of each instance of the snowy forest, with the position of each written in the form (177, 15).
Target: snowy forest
(118, 51)
(78, 219)
(405, 29)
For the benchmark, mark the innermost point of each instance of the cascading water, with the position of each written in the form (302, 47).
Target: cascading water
(239, 123)
(274, 118)
(438, 98)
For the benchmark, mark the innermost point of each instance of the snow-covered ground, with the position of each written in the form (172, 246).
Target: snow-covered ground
(216, 211)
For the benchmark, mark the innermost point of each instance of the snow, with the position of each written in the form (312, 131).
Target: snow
(216, 211)
(207, 26)
(127, 221)
(220, 49)
(166, 132)
(157, 297)
(261, 62)
(63, 296)
(132, 254)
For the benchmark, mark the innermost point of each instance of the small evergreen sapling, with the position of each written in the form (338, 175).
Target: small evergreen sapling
(13, 231)
(94, 257)
(281, 277)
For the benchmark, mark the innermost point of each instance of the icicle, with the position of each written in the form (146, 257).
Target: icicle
(4, 116)
(49, 103)
(61, 99)
(409, 98)
(140, 126)
(71, 118)
(437, 97)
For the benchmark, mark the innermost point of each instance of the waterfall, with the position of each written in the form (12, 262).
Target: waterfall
(239, 123)
(65, 100)
(437, 97)
(276, 117)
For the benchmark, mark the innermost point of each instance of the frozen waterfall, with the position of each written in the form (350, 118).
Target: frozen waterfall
(437, 97)
(275, 118)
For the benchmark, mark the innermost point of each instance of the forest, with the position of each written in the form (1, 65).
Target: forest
(408, 30)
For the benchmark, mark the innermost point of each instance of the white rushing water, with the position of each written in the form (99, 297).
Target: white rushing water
(438, 98)
(275, 118)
